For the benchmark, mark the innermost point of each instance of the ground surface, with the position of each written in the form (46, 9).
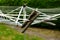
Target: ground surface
(47, 34)
(8, 33)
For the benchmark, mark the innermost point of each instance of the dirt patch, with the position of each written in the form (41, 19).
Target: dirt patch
(44, 33)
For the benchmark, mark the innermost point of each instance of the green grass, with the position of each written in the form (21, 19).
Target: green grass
(7, 33)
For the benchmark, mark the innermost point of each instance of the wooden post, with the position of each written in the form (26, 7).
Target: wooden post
(31, 18)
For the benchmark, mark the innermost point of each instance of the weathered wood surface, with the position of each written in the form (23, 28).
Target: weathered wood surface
(31, 18)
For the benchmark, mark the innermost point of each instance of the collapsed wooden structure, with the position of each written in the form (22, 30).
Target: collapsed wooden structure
(31, 18)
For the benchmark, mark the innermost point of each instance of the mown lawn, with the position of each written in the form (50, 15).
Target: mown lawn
(7, 33)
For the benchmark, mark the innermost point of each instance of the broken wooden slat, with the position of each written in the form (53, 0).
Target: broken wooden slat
(31, 18)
